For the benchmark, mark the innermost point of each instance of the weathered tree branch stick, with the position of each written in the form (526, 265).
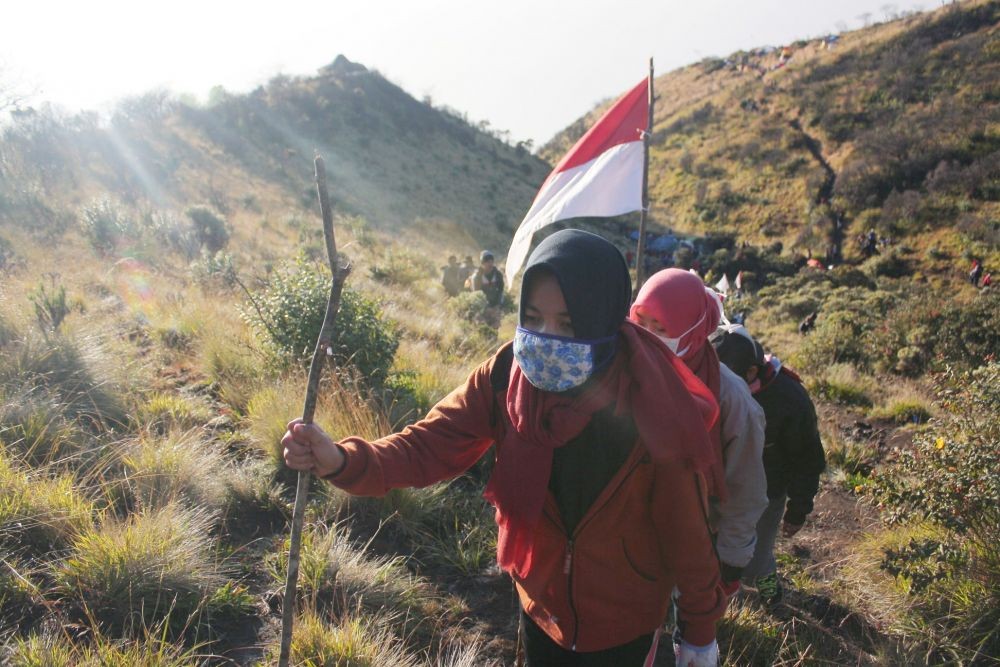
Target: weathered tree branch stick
(322, 350)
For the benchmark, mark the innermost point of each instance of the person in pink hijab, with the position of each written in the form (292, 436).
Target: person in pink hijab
(682, 312)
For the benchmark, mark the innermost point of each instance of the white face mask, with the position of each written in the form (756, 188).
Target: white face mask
(674, 343)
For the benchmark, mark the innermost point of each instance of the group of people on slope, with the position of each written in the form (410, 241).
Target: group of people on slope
(976, 273)
(635, 473)
(486, 278)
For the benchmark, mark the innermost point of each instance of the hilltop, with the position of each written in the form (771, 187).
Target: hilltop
(392, 159)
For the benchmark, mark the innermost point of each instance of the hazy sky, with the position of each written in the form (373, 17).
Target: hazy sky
(528, 66)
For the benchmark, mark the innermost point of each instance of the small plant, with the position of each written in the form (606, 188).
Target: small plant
(922, 562)
(164, 412)
(51, 308)
(253, 503)
(841, 384)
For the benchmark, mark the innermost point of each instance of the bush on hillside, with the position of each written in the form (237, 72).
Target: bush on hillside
(292, 308)
(949, 480)
(104, 223)
(210, 227)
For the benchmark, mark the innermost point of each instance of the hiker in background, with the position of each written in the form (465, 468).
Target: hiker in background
(451, 278)
(601, 449)
(488, 279)
(808, 324)
(465, 273)
(793, 451)
(677, 307)
(975, 272)
(987, 280)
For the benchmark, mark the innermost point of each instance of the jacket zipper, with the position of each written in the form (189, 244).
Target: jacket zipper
(568, 562)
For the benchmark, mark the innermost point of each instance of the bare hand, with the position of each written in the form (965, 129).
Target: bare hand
(789, 529)
(307, 448)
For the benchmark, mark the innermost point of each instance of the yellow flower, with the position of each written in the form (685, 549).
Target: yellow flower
(939, 443)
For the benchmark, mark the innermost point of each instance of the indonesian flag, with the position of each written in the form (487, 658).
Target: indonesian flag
(601, 176)
(723, 284)
(739, 280)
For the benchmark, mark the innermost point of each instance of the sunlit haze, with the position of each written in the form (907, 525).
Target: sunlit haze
(525, 66)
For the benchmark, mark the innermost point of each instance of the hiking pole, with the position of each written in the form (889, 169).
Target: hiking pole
(323, 349)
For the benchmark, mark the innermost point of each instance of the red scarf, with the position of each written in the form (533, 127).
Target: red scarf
(642, 380)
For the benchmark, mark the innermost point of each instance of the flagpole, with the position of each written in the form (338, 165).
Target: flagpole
(640, 263)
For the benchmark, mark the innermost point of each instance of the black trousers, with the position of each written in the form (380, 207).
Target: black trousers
(541, 651)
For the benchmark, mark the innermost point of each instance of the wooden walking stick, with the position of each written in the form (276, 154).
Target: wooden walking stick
(322, 350)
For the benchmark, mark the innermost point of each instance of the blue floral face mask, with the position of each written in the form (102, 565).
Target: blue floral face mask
(554, 363)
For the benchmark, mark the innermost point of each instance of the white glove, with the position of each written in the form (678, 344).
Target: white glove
(686, 655)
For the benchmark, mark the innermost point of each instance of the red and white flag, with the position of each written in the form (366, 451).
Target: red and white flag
(601, 176)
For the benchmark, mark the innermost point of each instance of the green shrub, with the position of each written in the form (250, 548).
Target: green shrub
(214, 270)
(949, 480)
(104, 223)
(210, 227)
(294, 305)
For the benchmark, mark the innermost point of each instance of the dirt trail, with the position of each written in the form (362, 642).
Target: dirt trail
(834, 254)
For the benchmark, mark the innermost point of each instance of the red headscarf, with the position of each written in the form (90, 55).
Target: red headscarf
(642, 379)
(679, 301)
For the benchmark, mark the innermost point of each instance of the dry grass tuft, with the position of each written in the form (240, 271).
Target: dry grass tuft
(180, 466)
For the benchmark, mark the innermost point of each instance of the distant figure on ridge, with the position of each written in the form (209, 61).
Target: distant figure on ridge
(451, 276)
(975, 272)
(793, 451)
(807, 325)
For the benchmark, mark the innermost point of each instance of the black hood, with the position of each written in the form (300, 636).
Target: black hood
(593, 277)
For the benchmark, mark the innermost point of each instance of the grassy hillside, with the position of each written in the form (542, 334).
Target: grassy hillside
(893, 127)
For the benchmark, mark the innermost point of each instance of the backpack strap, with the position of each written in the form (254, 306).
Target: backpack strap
(500, 378)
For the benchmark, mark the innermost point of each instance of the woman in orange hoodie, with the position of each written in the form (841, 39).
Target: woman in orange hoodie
(600, 492)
